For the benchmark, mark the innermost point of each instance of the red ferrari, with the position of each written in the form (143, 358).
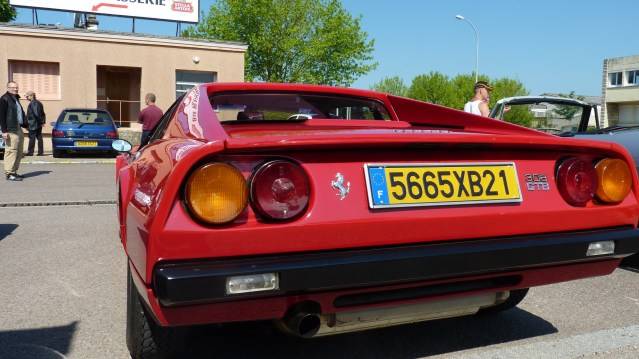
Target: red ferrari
(329, 210)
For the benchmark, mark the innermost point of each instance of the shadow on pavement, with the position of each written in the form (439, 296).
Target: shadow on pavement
(631, 263)
(407, 341)
(35, 173)
(41, 343)
(6, 230)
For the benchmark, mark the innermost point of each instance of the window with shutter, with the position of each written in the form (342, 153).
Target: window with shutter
(43, 78)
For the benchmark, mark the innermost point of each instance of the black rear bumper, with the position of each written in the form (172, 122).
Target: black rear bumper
(201, 282)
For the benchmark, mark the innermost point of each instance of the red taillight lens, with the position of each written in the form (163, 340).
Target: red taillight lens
(57, 133)
(577, 181)
(111, 134)
(280, 190)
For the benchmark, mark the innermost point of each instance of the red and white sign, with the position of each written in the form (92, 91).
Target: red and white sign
(182, 6)
(171, 10)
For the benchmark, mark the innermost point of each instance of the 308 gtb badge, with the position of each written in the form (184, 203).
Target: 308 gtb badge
(536, 182)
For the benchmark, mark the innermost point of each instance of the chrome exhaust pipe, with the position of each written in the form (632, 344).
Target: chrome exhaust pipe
(301, 324)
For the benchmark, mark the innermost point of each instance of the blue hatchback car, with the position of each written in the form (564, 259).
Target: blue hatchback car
(83, 131)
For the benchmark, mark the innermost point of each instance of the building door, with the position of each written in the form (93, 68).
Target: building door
(119, 92)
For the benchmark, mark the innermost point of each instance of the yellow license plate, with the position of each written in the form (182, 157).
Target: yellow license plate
(438, 184)
(86, 143)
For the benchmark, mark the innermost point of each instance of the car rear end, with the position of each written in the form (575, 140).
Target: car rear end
(328, 231)
(330, 226)
(84, 131)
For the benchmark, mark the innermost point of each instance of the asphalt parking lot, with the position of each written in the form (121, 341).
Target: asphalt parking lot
(63, 294)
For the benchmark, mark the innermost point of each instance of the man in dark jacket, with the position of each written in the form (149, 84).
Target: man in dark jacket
(12, 120)
(36, 119)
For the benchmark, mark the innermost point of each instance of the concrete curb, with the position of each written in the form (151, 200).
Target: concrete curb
(58, 203)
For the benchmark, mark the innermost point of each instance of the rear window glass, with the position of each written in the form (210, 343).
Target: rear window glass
(86, 118)
(295, 106)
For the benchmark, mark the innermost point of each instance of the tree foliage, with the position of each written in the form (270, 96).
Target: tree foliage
(505, 87)
(392, 85)
(7, 12)
(433, 87)
(310, 41)
(565, 111)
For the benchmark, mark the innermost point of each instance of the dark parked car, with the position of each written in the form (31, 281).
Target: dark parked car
(83, 131)
(1, 148)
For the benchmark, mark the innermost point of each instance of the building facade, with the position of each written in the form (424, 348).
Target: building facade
(96, 69)
(620, 103)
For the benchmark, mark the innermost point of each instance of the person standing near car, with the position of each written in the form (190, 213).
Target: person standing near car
(149, 117)
(478, 105)
(35, 119)
(12, 120)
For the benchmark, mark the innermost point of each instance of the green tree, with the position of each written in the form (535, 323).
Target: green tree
(506, 87)
(568, 112)
(310, 41)
(392, 85)
(7, 12)
(438, 88)
(433, 87)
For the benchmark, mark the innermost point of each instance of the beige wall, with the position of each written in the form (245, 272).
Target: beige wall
(622, 94)
(79, 57)
(623, 63)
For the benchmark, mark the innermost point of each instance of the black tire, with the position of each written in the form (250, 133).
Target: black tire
(515, 297)
(144, 338)
(57, 153)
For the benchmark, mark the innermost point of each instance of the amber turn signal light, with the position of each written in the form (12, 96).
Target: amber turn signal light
(615, 180)
(216, 193)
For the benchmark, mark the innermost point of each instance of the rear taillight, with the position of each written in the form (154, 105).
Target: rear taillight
(216, 193)
(112, 134)
(615, 180)
(577, 181)
(279, 190)
(57, 133)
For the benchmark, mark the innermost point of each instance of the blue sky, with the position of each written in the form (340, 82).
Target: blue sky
(551, 46)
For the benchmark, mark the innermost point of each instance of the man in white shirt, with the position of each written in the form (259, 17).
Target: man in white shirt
(478, 105)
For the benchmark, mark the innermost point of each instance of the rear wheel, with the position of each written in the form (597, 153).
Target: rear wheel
(515, 297)
(144, 338)
(57, 153)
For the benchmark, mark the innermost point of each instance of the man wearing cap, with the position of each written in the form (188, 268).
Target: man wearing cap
(478, 105)
(36, 119)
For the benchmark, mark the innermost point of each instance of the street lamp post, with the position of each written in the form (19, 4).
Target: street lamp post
(460, 17)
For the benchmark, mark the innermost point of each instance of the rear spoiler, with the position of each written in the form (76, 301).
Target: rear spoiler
(428, 114)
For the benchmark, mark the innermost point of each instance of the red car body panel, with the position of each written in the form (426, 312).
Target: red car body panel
(156, 228)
